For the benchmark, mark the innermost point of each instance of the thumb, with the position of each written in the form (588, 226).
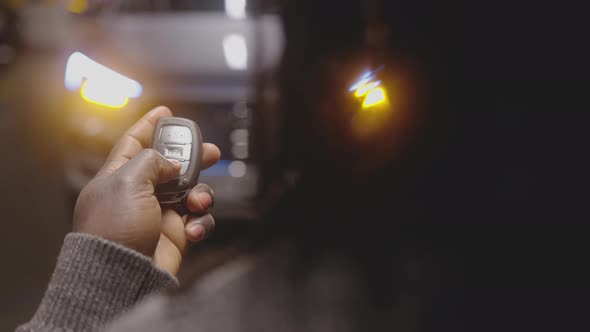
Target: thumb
(150, 165)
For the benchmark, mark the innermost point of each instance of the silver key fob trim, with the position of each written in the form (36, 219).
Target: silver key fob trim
(179, 139)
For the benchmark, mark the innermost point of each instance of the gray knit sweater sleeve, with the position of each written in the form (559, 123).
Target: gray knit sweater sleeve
(94, 281)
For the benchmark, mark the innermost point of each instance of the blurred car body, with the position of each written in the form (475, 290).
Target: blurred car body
(194, 58)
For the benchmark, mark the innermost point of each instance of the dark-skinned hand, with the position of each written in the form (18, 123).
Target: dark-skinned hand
(119, 204)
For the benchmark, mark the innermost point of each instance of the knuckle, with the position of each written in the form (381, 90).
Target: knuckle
(151, 154)
(90, 192)
(161, 107)
(123, 181)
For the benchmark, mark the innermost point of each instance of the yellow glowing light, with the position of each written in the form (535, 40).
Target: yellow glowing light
(99, 84)
(78, 6)
(103, 94)
(365, 88)
(375, 97)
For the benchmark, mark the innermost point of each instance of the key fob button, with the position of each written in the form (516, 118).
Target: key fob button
(186, 152)
(184, 167)
(173, 134)
(175, 151)
(174, 138)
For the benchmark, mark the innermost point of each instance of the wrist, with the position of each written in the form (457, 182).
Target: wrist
(94, 280)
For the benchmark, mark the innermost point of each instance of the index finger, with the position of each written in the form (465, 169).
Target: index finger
(135, 139)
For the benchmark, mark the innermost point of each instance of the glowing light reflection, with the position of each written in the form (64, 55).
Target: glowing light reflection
(78, 6)
(366, 88)
(99, 84)
(235, 51)
(375, 97)
(100, 93)
(359, 84)
(235, 9)
(369, 90)
(237, 169)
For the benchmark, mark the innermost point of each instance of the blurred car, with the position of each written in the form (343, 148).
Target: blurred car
(200, 58)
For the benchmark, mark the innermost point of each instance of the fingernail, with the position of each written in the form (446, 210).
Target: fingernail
(197, 232)
(205, 200)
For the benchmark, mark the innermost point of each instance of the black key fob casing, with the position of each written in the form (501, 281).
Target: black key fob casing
(179, 139)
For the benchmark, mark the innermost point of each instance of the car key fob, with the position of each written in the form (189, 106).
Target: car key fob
(178, 139)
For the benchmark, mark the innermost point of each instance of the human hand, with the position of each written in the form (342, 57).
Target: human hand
(119, 203)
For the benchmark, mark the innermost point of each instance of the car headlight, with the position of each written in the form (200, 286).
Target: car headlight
(369, 90)
(99, 84)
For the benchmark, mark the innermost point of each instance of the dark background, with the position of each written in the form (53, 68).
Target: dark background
(35, 214)
(526, 262)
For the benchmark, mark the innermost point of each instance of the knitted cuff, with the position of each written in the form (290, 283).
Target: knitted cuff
(94, 281)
